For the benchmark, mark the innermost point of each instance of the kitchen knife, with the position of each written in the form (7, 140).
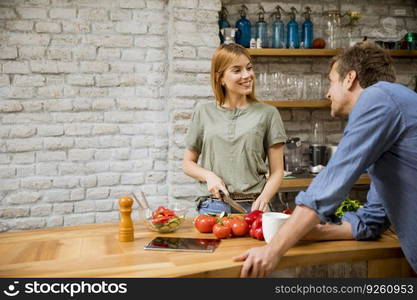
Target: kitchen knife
(234, 204)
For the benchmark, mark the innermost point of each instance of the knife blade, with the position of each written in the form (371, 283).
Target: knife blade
(234, 204)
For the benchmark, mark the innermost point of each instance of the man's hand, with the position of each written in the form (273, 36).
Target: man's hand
(259, 262)
(215, 184)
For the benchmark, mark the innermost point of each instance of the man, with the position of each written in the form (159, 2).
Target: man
(381, 136)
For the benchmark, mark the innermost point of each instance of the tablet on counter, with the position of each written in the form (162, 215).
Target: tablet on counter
(182, 244)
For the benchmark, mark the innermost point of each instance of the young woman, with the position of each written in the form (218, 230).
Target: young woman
(233, 137)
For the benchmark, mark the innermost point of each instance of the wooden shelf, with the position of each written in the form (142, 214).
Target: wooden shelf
(318, 52)
(403, 53)
(296, 184)
(293, 52)
(298, 103)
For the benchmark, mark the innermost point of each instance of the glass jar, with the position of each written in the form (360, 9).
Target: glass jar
(293, 156)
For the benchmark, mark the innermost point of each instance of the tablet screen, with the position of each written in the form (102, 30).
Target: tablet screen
(182, 244)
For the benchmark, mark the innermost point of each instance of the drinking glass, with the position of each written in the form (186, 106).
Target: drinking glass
(298, 87)
(276, 86)
(294, 87)
(312, 87)
(285, 87)
(263, 84)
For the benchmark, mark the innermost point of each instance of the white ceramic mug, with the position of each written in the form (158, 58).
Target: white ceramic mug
(271, 222)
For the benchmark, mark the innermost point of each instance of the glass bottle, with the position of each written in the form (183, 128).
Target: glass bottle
(332, 28)
(223, 22)
(278, 29)
(261, 28)
(244, 28)
(292, 30)
(307, 30)
(317, 148)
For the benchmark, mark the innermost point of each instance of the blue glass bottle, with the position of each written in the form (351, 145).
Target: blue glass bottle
(307, 30)
(223, 23)
(292, 31)
(262, 28)
(278, 39)
(244, 28)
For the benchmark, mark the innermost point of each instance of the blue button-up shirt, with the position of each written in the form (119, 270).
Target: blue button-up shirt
(381, 136)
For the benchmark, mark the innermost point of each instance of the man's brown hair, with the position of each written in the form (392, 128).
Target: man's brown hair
(370, 62)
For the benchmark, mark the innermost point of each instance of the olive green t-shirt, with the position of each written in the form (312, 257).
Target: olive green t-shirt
(233, 143)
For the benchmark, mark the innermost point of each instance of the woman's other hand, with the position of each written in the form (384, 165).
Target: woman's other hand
(260, 204)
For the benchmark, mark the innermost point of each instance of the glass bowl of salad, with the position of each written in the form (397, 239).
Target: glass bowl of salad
(164, 218)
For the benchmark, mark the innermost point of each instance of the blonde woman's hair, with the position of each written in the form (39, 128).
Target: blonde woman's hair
(221, 60)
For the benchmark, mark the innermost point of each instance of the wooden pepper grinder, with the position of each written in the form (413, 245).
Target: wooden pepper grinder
(126, 231)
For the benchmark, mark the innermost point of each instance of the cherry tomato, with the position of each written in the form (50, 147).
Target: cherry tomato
(287, 211)
(239, 227)
(221, 231)
(204, 223)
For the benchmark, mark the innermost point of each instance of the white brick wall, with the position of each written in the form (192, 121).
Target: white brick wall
(74, 73)
(96, 96)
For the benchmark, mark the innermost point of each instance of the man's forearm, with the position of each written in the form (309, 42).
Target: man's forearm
(302, 220)
(330, 232)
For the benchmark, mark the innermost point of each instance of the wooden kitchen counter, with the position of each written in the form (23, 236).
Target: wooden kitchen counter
(94, 251)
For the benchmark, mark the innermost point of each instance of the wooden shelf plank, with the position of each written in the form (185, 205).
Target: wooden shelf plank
(318, 52)
(298, 103)
(302, 183)
(403, 53)
(293, 52)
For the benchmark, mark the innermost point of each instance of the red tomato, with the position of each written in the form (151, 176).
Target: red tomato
(168, 212)
(221, 231)
(160, 211)
(160, 220)
(204, 223)
(227, 221)
(239, 227)
(287, 211)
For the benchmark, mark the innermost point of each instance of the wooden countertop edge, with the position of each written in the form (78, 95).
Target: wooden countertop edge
(301, 261)
(228, 268)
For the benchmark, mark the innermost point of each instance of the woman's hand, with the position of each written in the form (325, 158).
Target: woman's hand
(215, 184)
(260, 204)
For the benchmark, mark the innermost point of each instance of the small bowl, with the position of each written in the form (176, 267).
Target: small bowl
(171, 224)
